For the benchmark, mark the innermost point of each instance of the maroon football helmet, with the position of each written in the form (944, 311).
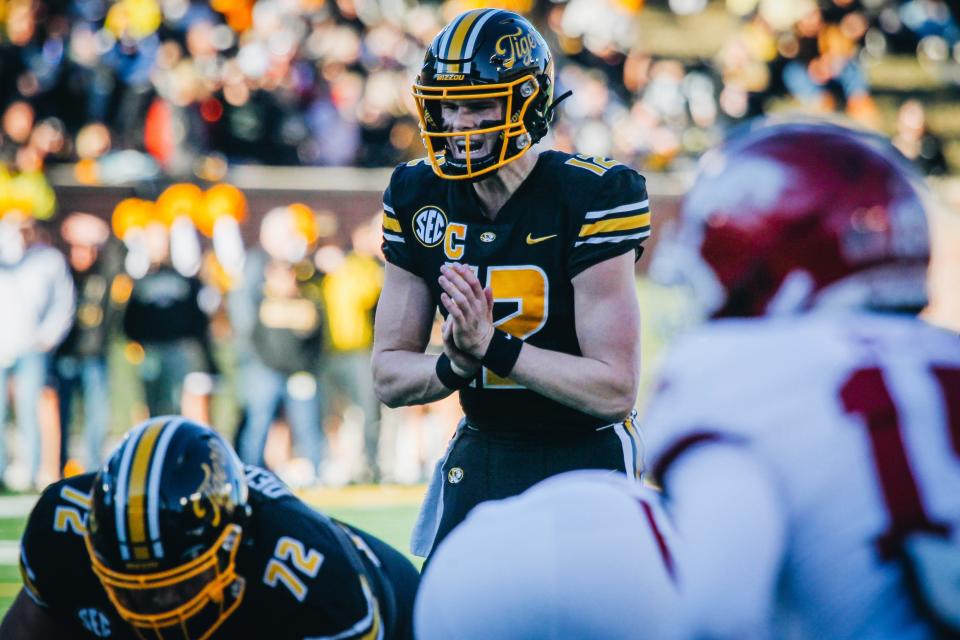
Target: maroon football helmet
(786, 216)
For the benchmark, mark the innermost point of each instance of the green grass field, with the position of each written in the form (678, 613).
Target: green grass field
(388, 513)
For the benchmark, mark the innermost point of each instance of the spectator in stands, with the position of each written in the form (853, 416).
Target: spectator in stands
(284, 302)
(165, 316)
(81, 360)
(327, 83)
(98, 164)
(930, 19)
(351, 288)
(915, 141)
(35, 282)
(174, 130)
(824, 54)
(18, 120)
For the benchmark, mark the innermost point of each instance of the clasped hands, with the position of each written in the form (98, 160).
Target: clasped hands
(468, 328)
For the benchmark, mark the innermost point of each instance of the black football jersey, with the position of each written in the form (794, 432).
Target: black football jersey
(307, 575)
(571, 213)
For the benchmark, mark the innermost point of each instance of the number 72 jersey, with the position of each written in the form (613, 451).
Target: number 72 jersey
(569, 214)
(857, 419)
(306, 576)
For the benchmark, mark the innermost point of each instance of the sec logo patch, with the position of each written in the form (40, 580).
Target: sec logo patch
(455, 475)
(429, 225)
(95, 622)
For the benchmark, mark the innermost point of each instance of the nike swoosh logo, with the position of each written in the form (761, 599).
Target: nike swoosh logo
(532, 240)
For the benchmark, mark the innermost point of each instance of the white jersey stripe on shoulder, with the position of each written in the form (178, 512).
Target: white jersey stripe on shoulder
(388, 209)
(392, 238)
(468, 67)
(632, 236)
(153, 485)
(123, 477)
(593, 215)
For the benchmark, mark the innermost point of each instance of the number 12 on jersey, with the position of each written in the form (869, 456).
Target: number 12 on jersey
(527, 287)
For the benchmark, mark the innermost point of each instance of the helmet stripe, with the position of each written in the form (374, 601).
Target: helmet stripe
(455, 51)
(136, 514)
(615, 224)
(153, 487)
(123, 475)
(442, 49)
(475, 33)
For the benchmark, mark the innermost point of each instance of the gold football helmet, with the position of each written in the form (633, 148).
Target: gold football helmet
(484, 55)
(165, 524)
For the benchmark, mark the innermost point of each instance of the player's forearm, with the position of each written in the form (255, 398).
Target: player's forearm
(604, 390)
(403, 378)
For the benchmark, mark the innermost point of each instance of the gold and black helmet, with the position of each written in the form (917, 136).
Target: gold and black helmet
(167, 514)
(485, 54)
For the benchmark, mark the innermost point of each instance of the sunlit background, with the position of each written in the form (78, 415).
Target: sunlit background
(122, 121)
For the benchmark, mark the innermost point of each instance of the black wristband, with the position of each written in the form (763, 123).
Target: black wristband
(450, 378)
(502, 353)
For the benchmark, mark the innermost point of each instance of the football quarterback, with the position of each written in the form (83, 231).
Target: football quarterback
(529, 256)
(807, 437)
(174, 539)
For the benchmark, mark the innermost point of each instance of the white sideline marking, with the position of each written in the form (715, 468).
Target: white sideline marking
(17, 506)
(9, 552)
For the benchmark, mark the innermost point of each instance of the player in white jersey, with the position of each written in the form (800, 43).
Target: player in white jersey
(809, 445)
(583, 555)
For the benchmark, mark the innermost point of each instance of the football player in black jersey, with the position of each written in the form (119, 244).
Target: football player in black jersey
(530, 257)
(175, 539)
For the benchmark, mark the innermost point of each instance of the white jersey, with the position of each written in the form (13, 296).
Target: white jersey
(584, 555)
(857, 419)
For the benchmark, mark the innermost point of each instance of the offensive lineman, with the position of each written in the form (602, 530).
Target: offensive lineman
(808, 439)
(174, 539)
(530, 257)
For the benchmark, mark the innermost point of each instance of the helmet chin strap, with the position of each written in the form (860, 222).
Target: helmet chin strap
(556, 103)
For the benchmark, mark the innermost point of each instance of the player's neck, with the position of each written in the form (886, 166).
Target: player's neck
(494, 192)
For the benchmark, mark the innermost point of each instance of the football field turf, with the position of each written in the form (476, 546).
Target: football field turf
(387, 512)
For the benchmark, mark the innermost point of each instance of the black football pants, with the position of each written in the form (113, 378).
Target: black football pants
(484, 466)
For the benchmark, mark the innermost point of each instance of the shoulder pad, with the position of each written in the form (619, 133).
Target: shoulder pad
(265, 483)
(52, 543)
(410, 179)
(307, 571)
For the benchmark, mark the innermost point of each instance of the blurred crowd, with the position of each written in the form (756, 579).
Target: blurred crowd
(131, 89)
(279, 322)
(134, 91)
(657, 112)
